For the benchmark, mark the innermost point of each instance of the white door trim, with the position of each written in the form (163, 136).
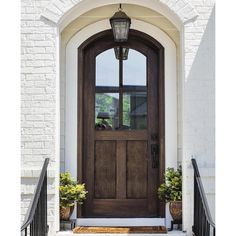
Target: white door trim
(71, 91)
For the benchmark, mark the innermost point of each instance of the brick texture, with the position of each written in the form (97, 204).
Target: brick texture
(38, 102)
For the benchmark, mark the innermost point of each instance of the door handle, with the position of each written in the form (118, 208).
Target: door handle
(154, 152)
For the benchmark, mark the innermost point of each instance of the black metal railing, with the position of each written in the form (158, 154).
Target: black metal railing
(35, 223)
(203, 224)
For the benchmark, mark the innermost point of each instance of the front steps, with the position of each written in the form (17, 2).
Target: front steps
(170, 233)
(121, 222)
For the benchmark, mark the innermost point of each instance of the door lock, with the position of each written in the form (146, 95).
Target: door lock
(154, 152)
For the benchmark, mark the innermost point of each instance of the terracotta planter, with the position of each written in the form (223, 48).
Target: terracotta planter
(65, 212)
(176, 210)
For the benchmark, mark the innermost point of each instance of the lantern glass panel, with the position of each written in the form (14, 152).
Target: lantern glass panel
(121, 54)
(120, 30)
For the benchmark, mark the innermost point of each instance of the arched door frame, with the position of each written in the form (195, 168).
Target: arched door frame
(143, 39)
(71, 61)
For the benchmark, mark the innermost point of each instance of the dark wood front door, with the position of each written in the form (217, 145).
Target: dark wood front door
(122, 140)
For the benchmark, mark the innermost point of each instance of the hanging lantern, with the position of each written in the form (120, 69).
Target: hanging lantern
(120, 24)
(121, 53)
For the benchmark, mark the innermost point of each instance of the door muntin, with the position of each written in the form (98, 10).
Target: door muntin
(121, 92)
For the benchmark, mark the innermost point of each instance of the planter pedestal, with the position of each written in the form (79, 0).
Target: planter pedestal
(72, 223)
(176, 222)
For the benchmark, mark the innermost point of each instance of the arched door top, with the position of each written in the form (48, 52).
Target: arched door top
(134, 35)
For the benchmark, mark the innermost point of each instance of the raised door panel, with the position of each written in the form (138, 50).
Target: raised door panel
(105, 169)
(137, 174)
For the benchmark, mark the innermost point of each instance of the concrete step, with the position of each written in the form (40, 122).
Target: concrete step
(170, 233)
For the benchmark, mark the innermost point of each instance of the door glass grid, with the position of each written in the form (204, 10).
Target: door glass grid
(120, 92)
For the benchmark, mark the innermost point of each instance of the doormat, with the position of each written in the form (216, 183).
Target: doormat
(121, 230)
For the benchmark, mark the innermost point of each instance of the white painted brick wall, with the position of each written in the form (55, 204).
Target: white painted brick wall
(38, 41)
(39, 94)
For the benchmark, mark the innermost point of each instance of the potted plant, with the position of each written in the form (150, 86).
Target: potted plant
(70, 192)
(171, 191)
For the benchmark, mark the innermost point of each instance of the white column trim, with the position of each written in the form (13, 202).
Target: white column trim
(57, 133)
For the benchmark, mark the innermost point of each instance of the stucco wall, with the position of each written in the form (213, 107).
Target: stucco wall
(40, 92)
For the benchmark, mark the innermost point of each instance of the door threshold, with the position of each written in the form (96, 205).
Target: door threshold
(121, 222)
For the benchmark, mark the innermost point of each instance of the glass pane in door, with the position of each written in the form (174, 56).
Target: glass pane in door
(107, 69)
(135, 110)
(134, 69)
(106, 111)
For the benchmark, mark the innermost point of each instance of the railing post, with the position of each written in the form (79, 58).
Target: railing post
(202, 220)
(45, 206)
(36, 217)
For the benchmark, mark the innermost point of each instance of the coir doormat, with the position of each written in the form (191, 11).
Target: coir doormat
(121, 230)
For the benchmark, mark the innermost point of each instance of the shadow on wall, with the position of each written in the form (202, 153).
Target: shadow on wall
(199, 116)
(200, 100)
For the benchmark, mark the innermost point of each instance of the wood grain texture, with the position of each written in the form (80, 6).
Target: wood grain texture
(105, 169)
(153, 115)
(120, 208)
(137, 169)
(88, 133)
(121, 170)
(122, 135)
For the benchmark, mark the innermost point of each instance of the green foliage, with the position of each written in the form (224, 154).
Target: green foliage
(70, 191)
(105, 103)
(126, 110)
(171, 190)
